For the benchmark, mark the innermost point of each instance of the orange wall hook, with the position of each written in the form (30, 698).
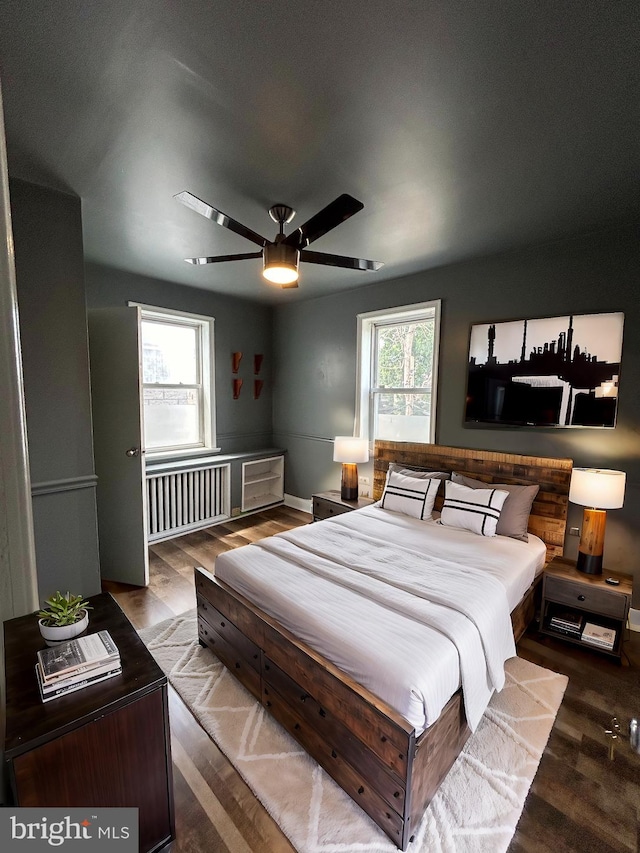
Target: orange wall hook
(237, 385)
(236, 357)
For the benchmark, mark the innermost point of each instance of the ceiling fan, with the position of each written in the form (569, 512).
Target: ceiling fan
(282, 256)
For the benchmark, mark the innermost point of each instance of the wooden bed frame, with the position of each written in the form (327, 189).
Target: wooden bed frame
(370, 750)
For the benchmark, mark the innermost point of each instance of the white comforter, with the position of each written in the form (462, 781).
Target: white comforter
(408, 626)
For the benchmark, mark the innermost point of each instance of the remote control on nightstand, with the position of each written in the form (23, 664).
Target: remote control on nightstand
(612, 581)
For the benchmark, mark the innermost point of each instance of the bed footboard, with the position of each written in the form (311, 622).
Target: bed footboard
(363, 744)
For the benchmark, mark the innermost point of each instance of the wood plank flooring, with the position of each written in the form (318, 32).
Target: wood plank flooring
(580, 801)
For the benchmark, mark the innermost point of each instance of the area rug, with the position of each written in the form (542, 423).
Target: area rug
(475, 810)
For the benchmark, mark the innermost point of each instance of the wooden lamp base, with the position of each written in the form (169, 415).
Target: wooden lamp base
(591, 545)
(349, 484)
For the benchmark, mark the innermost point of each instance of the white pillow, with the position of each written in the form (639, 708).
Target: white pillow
(409, 495)
(477, 510)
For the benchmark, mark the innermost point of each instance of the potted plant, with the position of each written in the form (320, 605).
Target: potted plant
(65, 617)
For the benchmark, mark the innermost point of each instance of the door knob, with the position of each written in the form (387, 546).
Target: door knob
(133, 451)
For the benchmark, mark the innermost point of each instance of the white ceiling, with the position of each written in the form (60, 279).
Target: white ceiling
(465, 128)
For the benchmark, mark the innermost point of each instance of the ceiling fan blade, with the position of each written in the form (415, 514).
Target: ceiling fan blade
(219, 217)
(339, 261)
(329, 217)
(220, 258)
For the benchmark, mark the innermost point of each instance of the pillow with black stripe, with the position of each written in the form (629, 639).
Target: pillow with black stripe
(514, 518)
(477, 510)
(409, 495)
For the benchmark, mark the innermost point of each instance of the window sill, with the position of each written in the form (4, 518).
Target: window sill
(173, 455)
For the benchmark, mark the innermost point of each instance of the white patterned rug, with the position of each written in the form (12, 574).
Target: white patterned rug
(475, 810)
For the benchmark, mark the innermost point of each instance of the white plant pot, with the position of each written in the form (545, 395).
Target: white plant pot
(55, 634)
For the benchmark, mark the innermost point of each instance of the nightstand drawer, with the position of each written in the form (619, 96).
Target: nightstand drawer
(325, 509)
(581, 595)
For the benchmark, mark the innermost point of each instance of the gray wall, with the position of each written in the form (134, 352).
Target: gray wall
(52, 302)
(240, 326)
(309, 368)
(315, 364)
(47, 229)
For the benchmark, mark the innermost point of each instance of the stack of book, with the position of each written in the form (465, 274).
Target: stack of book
(596, 635)
(77, 663)
(567, 622)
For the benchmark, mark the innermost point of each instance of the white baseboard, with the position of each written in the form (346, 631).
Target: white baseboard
(634, 619)
(298, 503)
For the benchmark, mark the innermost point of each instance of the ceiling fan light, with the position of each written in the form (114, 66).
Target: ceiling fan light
(280, 263)
(280, 274)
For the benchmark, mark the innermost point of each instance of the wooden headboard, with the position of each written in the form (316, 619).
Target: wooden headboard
(548, 517)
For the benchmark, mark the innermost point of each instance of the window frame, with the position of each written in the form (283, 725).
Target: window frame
(206, 375)
(367, 325)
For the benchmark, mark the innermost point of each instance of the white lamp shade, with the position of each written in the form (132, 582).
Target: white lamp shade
(349, 449)
(599, 488)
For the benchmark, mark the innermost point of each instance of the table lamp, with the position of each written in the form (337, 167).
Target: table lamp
(350, 451)
(596, 489)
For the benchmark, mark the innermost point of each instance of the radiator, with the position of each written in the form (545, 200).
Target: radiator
(181, 501)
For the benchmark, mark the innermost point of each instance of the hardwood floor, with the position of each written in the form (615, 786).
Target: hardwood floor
(580, 800)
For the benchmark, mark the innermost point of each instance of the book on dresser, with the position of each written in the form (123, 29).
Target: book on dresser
(599, 636)
(75, 655)
(76, 663)
(76, 682)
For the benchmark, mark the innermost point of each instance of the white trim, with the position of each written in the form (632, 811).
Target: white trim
(634, 620)
(187, 454)
(366, 323)
(298, 503)
(402, 312)
(171, 312)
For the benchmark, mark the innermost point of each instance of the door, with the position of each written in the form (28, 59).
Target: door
(114, 348)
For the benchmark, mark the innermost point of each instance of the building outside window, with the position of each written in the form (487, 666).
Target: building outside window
(397, 377)
(176, 372)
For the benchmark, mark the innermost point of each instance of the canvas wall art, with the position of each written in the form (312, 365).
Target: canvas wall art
(552, 372)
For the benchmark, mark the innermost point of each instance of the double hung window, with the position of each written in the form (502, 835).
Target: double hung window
(397, 379)
(176, 372)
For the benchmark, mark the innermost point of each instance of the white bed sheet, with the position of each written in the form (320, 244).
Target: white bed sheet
(514, 563)
(413, 666)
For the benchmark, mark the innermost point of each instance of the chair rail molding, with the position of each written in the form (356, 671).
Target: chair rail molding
(68, 484)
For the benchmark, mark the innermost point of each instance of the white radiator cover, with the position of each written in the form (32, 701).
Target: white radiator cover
(181, 501)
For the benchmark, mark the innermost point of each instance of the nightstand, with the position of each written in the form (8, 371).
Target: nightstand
(106, 745)
(569, 596)
(328, 504)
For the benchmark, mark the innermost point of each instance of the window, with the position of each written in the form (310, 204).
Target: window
(397, 376)
(177, 371)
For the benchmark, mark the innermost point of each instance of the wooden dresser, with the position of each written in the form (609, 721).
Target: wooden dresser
(104, 745)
